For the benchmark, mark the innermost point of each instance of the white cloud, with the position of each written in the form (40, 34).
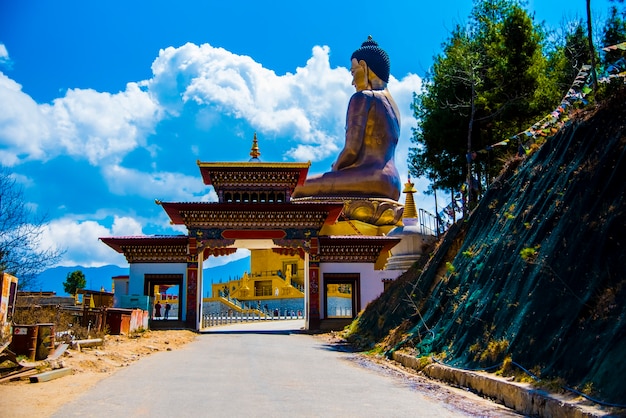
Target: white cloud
(125, 226)
(158, 185)
(101, 125)
(22, 125)
(79, 240)
(308, 105)
(402, 92)
(82, 124)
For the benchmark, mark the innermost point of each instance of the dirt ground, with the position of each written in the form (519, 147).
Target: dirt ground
(90, 365)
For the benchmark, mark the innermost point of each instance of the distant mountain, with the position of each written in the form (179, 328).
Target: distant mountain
(51, 280)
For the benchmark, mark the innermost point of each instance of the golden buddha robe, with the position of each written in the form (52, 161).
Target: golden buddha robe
(365, 167)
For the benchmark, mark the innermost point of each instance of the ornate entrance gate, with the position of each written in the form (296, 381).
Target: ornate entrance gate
(255, 211)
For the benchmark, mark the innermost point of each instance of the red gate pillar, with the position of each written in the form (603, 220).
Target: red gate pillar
(313, 308)
(192, 284)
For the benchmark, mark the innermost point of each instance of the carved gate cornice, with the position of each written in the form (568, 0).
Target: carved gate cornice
(354, 249)
(210, 215)
(248, 176)
(155, 253)
(290, 251)
(217, 252)
(150, 249)
(292, 244)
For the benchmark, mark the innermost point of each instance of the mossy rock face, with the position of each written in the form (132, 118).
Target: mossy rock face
(540, 264)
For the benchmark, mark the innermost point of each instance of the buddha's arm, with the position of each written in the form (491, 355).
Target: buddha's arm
(356, 121)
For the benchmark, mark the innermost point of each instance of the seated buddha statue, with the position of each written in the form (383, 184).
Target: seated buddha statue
(365, 167)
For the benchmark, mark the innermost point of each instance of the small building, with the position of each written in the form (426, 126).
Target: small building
(121, 287)
(93, 298)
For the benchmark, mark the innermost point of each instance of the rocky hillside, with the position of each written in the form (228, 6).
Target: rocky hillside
(535, 279)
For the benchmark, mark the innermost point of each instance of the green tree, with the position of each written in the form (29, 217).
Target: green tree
(482, 89)
(520, 44)
(442, 109)
(74, 281)
(21, 231)
(566, 60)
(614, 33)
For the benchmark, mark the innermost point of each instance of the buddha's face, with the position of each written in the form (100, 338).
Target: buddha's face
(359, 75)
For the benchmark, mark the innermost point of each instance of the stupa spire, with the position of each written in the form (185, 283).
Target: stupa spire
(409, 205)
(254, 152)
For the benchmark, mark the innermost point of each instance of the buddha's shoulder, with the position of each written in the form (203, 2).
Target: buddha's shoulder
(367, 95)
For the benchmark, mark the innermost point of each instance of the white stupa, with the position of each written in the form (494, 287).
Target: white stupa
(415, 243)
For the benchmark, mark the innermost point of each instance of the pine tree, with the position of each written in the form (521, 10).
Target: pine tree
(482, 89)
(565, 61)
(614, 33)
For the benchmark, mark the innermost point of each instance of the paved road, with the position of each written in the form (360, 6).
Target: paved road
(255, 370)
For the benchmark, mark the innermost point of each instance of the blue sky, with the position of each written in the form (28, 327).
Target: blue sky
(107, 106)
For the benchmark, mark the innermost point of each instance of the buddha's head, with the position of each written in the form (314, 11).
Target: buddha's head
(370, 66)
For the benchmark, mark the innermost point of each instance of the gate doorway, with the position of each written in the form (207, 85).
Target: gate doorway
(164, 289)
(341, 295)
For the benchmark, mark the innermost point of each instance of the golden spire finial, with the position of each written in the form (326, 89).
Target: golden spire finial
(409, 205)
(254, 152)
(408, 186)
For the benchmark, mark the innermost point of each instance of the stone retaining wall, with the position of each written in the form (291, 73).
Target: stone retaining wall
(521, 397)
